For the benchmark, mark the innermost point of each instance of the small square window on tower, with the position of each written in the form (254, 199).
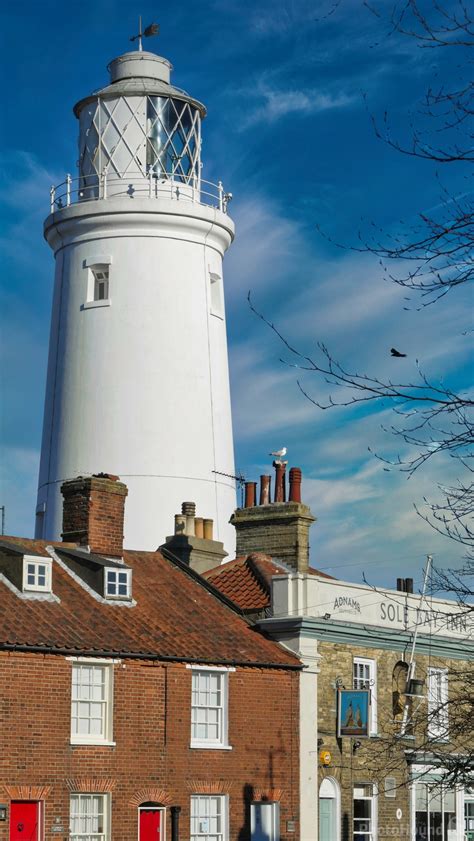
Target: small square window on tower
(217, 303)
(98, 282)
(101, 283)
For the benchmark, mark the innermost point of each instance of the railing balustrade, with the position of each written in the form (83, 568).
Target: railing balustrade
(140, 185)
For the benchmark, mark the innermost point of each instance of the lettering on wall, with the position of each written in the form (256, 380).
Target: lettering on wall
(403, 614)
(346, 604)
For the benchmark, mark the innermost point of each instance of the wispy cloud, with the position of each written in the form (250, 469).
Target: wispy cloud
(272, 104)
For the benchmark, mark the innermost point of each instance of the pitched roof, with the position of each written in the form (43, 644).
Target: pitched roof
(175, 615)
(247, 579)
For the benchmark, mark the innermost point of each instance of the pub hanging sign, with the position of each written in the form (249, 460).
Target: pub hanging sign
(353, 712)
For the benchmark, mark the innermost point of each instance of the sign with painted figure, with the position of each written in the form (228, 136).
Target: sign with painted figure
(353, 712)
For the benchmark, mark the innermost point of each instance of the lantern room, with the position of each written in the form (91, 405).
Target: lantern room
(139, 131)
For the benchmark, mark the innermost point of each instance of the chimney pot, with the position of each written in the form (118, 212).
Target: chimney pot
(280, 485)
(179, 524)
(250, 494)
(265, 489)
(189, 510)
(208, 529)
(400, 585)
(409, 585)
(199, 527)
(295, 484)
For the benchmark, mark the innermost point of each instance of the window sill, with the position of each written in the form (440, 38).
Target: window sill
(207, 746)
(97, 744)
(89, 305)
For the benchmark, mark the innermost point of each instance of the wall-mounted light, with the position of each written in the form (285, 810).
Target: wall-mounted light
(3, 812)
(339, 682)
(356, 745)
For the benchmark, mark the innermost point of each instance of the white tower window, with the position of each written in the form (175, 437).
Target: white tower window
(98, 282)
(216, 294)
(101, 283)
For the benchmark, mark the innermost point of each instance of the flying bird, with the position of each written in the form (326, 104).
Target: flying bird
(396, 353)
(279, 453)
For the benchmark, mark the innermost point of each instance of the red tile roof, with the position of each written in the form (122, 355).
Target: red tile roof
(176, 616)
(247, 579)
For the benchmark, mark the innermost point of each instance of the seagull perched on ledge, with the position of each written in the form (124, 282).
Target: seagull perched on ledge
(279, 454)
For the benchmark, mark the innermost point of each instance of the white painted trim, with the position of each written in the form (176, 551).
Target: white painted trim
(94, 661)
(372, 664)
(158, 808)
(208, 746)
(107, 739)
(98, 260)
(337, 798)
(89, 305)
(210, 668)
(36, 561)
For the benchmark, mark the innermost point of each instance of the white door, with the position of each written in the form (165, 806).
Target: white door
(265, 821)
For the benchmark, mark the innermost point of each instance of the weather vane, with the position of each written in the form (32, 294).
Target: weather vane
(152, 29)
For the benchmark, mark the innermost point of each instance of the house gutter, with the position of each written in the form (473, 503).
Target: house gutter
(131, 655)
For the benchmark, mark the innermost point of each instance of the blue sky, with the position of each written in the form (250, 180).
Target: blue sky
(290, 88)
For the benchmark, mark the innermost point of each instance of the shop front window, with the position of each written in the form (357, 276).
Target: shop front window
(435, 812)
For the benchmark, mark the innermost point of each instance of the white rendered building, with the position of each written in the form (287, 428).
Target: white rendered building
(138, 381)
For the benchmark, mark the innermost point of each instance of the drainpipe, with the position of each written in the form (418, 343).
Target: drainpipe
(175, 810)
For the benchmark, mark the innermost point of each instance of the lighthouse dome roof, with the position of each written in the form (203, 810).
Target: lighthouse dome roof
(139, 74)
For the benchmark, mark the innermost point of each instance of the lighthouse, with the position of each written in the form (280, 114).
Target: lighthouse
(138, 379)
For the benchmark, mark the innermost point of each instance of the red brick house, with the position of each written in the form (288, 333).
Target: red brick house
(136, 702)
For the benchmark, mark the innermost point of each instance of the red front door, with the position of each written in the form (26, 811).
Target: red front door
(150, 824)
(24, 820)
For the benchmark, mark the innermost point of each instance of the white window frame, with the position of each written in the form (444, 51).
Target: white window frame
(202, 833)
(36, 562)
(83, 798)
(372, 834)
(118, 571)
(433, 777)
(107, 671)
(369, 683)
(222, 742)
(94, 264)
(438, 696)
(216, 294)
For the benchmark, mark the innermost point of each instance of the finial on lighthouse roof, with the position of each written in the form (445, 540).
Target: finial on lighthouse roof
(152, 29)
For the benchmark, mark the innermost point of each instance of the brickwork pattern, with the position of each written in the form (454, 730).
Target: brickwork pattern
(94, 513)
(279, 529)
(152, 758)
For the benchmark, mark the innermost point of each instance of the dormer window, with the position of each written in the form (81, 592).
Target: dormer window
(117, 583)
(37, 574)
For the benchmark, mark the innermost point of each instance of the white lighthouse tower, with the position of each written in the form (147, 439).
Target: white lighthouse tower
(138, 381)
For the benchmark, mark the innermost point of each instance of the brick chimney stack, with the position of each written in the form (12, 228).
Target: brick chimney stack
(278, 528)
(93, 513)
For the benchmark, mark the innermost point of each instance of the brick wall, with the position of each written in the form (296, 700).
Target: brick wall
(152, 758)
(280, 529)
(93, 513)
